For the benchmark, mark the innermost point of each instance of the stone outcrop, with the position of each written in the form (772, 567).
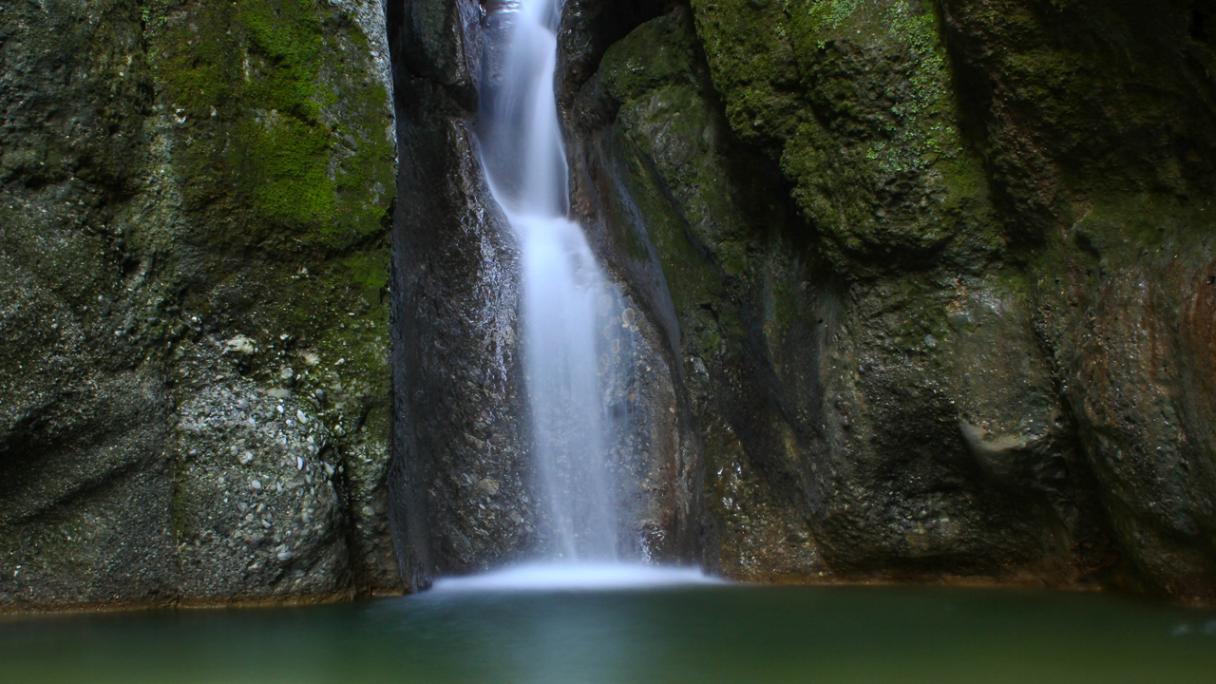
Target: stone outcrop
(460, 466)
(936, 274)
(194, 386)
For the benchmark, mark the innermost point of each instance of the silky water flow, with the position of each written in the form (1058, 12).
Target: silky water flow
(569, 311)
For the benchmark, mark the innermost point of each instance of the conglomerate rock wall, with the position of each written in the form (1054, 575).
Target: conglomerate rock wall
(194, 384)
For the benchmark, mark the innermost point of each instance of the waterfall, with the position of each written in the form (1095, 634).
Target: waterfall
(567, 301)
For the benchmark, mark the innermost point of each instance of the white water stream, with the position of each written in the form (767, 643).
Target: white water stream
(566, 298)
(570, 312)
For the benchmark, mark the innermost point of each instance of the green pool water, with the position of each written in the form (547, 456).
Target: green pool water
(701, 634)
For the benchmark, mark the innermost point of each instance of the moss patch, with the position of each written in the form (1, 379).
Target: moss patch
(266, 134)
(862, 117)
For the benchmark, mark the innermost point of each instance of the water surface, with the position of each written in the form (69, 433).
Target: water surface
(693, 634)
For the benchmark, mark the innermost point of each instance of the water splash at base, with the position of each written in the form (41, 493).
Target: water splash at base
(577, 577)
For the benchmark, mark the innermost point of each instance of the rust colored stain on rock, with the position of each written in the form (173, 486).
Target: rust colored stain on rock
(1200, 330)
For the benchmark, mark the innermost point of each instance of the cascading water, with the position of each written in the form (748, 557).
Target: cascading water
(566, 298)
(571, 315)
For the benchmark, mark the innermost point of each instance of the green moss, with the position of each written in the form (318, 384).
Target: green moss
(269, 135)
(690, 187)
(340, 310)
(225, 57)
(752, 63)
(284, 161)
(369, 171)
(874, 153)
(1122, 228)
(668, 131)
(916, 111)
(194, 63)
(669, 141)
(671, 126)
(825, 17)
(287, 36)
(656, 54)
(280, 146)
(691, 278)
(369, 271)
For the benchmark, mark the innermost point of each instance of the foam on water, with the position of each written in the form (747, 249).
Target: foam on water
(576, 577)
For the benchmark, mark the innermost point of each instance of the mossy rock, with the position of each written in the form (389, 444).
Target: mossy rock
(282, 130)
(862, 117)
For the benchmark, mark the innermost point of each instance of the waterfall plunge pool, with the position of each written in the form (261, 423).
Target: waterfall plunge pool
(691, 633)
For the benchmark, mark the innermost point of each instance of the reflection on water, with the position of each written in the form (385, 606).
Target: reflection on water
(694, 634)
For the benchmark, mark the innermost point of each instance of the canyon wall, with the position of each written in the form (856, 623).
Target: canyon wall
(921, 290)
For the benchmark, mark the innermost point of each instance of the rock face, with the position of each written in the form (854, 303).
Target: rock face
(924, 287)
(936, 276)
(660, 183)
(460, 467)
(914, 289)
(193, 329)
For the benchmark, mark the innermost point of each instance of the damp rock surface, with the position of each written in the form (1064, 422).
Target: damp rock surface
(194, 199)
(932, 275)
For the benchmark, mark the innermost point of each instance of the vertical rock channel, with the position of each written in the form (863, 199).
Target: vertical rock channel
(534, 417)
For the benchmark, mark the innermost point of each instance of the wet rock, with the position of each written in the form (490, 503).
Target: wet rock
(455, 302)
(307, 515)
(651, 173)
(914, 290)
(147, 275)
(961, 334)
